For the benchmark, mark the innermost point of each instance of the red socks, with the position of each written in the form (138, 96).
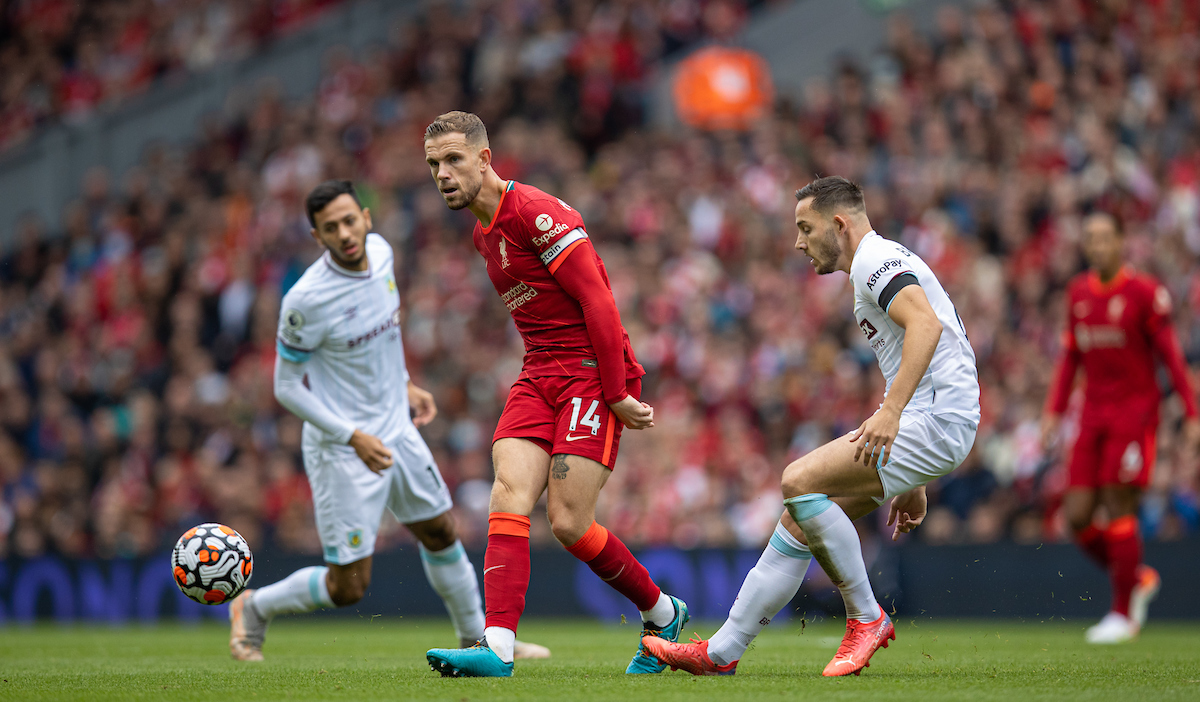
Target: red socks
(1123, 544)
(506, 569)
(1091, 542)
(611, 560)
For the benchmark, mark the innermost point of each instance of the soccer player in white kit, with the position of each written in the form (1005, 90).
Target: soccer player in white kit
(923, 430)
(340, 367)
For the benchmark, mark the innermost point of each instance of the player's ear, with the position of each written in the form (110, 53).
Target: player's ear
(485, 158)
(367, 217)
(316, 237)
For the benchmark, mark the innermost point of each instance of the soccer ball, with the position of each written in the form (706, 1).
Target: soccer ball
(212, 564)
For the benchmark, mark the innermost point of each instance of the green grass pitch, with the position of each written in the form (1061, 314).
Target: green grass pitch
(383, 658)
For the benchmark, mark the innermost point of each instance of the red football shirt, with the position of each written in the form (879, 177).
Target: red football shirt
(1114, 331)
(529, 238)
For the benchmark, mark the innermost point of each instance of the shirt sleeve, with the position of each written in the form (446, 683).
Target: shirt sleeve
(1161, 331)
(883, 272)
(291, 392)
(554, 230)
(301, 328)
(580, 277)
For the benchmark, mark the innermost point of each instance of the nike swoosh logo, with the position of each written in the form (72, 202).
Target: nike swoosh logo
(577, 438)
(609, 580)
(485, 570)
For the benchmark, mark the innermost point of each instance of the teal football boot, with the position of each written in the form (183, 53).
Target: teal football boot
(478, 661)
(643, 662)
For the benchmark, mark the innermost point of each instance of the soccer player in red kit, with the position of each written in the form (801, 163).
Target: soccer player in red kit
(562, 422)
(1118, 321)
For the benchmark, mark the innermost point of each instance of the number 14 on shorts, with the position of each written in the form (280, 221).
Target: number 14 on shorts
(590, 418)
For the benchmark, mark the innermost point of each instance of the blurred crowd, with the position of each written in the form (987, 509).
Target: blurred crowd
(136, 345)
(64, 58)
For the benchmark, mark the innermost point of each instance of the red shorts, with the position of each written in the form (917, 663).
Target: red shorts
(1112, 454)
(564, 414)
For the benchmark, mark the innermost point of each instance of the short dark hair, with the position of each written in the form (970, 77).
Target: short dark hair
(832, 192)
(465, 123)
(1117, 225)
(326, 193)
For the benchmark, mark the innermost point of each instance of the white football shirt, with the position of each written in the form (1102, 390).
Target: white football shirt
(880, 269)
(344, 327)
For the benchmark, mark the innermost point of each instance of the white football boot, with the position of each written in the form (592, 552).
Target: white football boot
(246, 629)
(1114, 628)
(1146, 589)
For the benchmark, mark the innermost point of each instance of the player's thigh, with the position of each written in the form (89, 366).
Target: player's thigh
(418, 494)
(831, 470)
(575, 484)
(522, 468)
(926, 448)
(584, 425)
(1083, 466)
(1127, 456)
(348, 502)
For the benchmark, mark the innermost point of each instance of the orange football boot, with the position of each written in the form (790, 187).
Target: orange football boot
(692, 657)
(861, 641)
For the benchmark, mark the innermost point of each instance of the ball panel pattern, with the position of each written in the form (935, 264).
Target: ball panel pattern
(212, 564)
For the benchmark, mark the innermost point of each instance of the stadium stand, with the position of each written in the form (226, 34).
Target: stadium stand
(136, 344)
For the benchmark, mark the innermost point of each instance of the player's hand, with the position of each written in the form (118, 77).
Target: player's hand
(372, 451)
(421, 401)
(633, 413)
(907, 511)
(1050, 424)
(876, 435)
(1191, 433)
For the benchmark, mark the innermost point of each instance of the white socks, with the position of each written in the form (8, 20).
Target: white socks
(302, 591)
(768, 587)
(501, 641)
(834, 541)
(453, 578)
(662, 613)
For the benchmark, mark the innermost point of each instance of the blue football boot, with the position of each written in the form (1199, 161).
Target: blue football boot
(642, 661)
(478, 661)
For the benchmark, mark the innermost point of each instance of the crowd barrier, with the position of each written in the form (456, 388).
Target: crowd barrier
(996, 580)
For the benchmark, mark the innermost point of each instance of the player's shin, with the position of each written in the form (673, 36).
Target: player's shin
(1091, 541)
(302, 591)
(452, 576)
(505, 579)
(610, 559)
(768, 587)
(1123, 542)
(834, 542)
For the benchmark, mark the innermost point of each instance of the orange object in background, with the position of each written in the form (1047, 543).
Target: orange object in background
(723, 88)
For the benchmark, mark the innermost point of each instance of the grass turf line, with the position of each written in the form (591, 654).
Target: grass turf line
(383, 658)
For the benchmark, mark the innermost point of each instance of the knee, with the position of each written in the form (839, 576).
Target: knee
(1078, 519)
(795, 479)
(567, 526)
(347, 591)
(440, 534)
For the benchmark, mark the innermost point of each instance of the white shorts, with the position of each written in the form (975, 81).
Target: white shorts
(349, 498)
(926, 448)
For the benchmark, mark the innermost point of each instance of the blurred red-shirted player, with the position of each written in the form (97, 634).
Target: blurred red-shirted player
(562, 422)
(1118, 321)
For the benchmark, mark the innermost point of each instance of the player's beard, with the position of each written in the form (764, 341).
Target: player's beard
(466, 195)
(828, 252)
(347, 263)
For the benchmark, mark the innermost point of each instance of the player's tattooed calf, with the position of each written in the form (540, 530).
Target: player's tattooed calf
(559, 467)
